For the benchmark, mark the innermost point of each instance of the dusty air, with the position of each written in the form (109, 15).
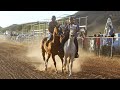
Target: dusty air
(83, 45)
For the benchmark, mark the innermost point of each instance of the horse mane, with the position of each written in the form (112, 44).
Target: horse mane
(55, 31)
(55, 34)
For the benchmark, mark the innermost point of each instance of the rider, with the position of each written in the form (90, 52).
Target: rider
(52, 25)
(70, 26)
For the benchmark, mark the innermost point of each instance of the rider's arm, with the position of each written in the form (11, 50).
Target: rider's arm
(77, 28)
(67, 29)
(49, 28)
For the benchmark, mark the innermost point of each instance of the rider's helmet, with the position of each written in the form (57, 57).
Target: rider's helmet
(53, 18)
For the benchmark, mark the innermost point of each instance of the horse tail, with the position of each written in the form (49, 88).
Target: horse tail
(43, 41)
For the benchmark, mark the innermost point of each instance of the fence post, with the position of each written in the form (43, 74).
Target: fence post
(99, 47)
(111, 47)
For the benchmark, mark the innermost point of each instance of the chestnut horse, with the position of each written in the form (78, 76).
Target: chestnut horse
(53, 48)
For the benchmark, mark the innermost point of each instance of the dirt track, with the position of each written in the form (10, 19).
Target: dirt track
(16, 63)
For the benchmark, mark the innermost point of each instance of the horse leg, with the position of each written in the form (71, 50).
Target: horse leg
(53, 57)
(64, 63)
(46, 62)
(70, 67)
(61, 61)
(43, 53)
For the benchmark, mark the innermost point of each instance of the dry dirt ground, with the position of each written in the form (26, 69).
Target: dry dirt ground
(24, 61)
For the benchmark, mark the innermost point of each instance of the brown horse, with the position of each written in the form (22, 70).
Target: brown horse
(52, 49)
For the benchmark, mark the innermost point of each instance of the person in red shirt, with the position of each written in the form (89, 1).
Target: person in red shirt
(98, 43)
(98, 40)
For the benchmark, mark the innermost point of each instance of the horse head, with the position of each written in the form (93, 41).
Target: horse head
(56, 36)
(56, 30)
(72, 34)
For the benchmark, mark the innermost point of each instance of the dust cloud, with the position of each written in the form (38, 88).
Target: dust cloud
(36, 59)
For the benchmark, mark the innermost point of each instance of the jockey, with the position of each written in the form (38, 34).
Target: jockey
(71, 26)
(60, 29)
(52, 25)
(65, 34)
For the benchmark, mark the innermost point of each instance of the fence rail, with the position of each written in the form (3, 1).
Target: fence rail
(113, 42)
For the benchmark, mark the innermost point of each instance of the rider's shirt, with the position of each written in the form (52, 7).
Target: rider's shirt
(52, 26)
(74, 27)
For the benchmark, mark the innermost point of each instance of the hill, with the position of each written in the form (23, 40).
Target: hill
(26, 27)
(97, 20)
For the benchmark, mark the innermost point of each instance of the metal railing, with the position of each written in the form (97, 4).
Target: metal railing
(112, 40)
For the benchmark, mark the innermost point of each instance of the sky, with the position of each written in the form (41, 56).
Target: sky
(8, 18)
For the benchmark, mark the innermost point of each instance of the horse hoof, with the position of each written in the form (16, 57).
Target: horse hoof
(62, 71)
(56, 71)
(64, 68)
(70, 75)
(45, 69)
